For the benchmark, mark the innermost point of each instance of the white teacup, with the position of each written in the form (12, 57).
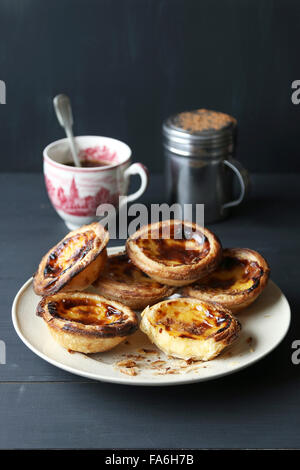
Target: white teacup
(75, 193)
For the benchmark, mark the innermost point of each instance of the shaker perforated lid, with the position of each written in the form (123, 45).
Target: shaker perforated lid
(191, 131)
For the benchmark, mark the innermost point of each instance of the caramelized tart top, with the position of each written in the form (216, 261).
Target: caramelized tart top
(68, 252)
(85, 313)
(88, 311)
(119, 268)
(235, 274)
(188, 318)
(173, 244)
(70, 257)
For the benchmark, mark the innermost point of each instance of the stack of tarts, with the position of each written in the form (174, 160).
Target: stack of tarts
(159, 260)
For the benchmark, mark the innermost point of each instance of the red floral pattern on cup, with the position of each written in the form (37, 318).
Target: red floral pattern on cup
(98, 153)
(76, 193)
(73, 204)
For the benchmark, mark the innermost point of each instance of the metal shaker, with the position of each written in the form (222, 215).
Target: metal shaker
(199, 148)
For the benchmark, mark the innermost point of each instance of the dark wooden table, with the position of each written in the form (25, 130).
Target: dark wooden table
(44, 407)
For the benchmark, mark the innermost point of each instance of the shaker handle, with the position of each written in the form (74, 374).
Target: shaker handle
(244, 180)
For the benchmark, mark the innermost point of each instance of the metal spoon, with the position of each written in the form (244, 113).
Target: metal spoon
(62, 106)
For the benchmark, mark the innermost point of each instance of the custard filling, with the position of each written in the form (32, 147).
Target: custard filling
(69, 252)
(121, 269)
(232, 276)
(193, 320)
(174, 245)
(86, 311)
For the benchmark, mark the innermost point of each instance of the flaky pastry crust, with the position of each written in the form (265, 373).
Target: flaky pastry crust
(73, 263)
(86, 323)
(121, 280)
(237, 282)
(174, 261)
(189, 328)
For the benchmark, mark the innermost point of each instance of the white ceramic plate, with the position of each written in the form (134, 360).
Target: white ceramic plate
(264, 325)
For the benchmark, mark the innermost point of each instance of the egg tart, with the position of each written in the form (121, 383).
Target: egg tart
(122, 280)
(85, 322)
(236, 283)
(190, 328)
(74, 263)
(174, 252)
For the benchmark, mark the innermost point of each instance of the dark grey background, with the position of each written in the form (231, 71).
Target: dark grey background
(127, 64)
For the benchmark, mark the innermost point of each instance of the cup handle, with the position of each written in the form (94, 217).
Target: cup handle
(244, 180)
(136, 169)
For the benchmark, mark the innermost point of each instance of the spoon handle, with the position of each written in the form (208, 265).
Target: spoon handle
(62, 106)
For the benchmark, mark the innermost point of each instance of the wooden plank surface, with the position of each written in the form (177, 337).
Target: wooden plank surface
(42, 406)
